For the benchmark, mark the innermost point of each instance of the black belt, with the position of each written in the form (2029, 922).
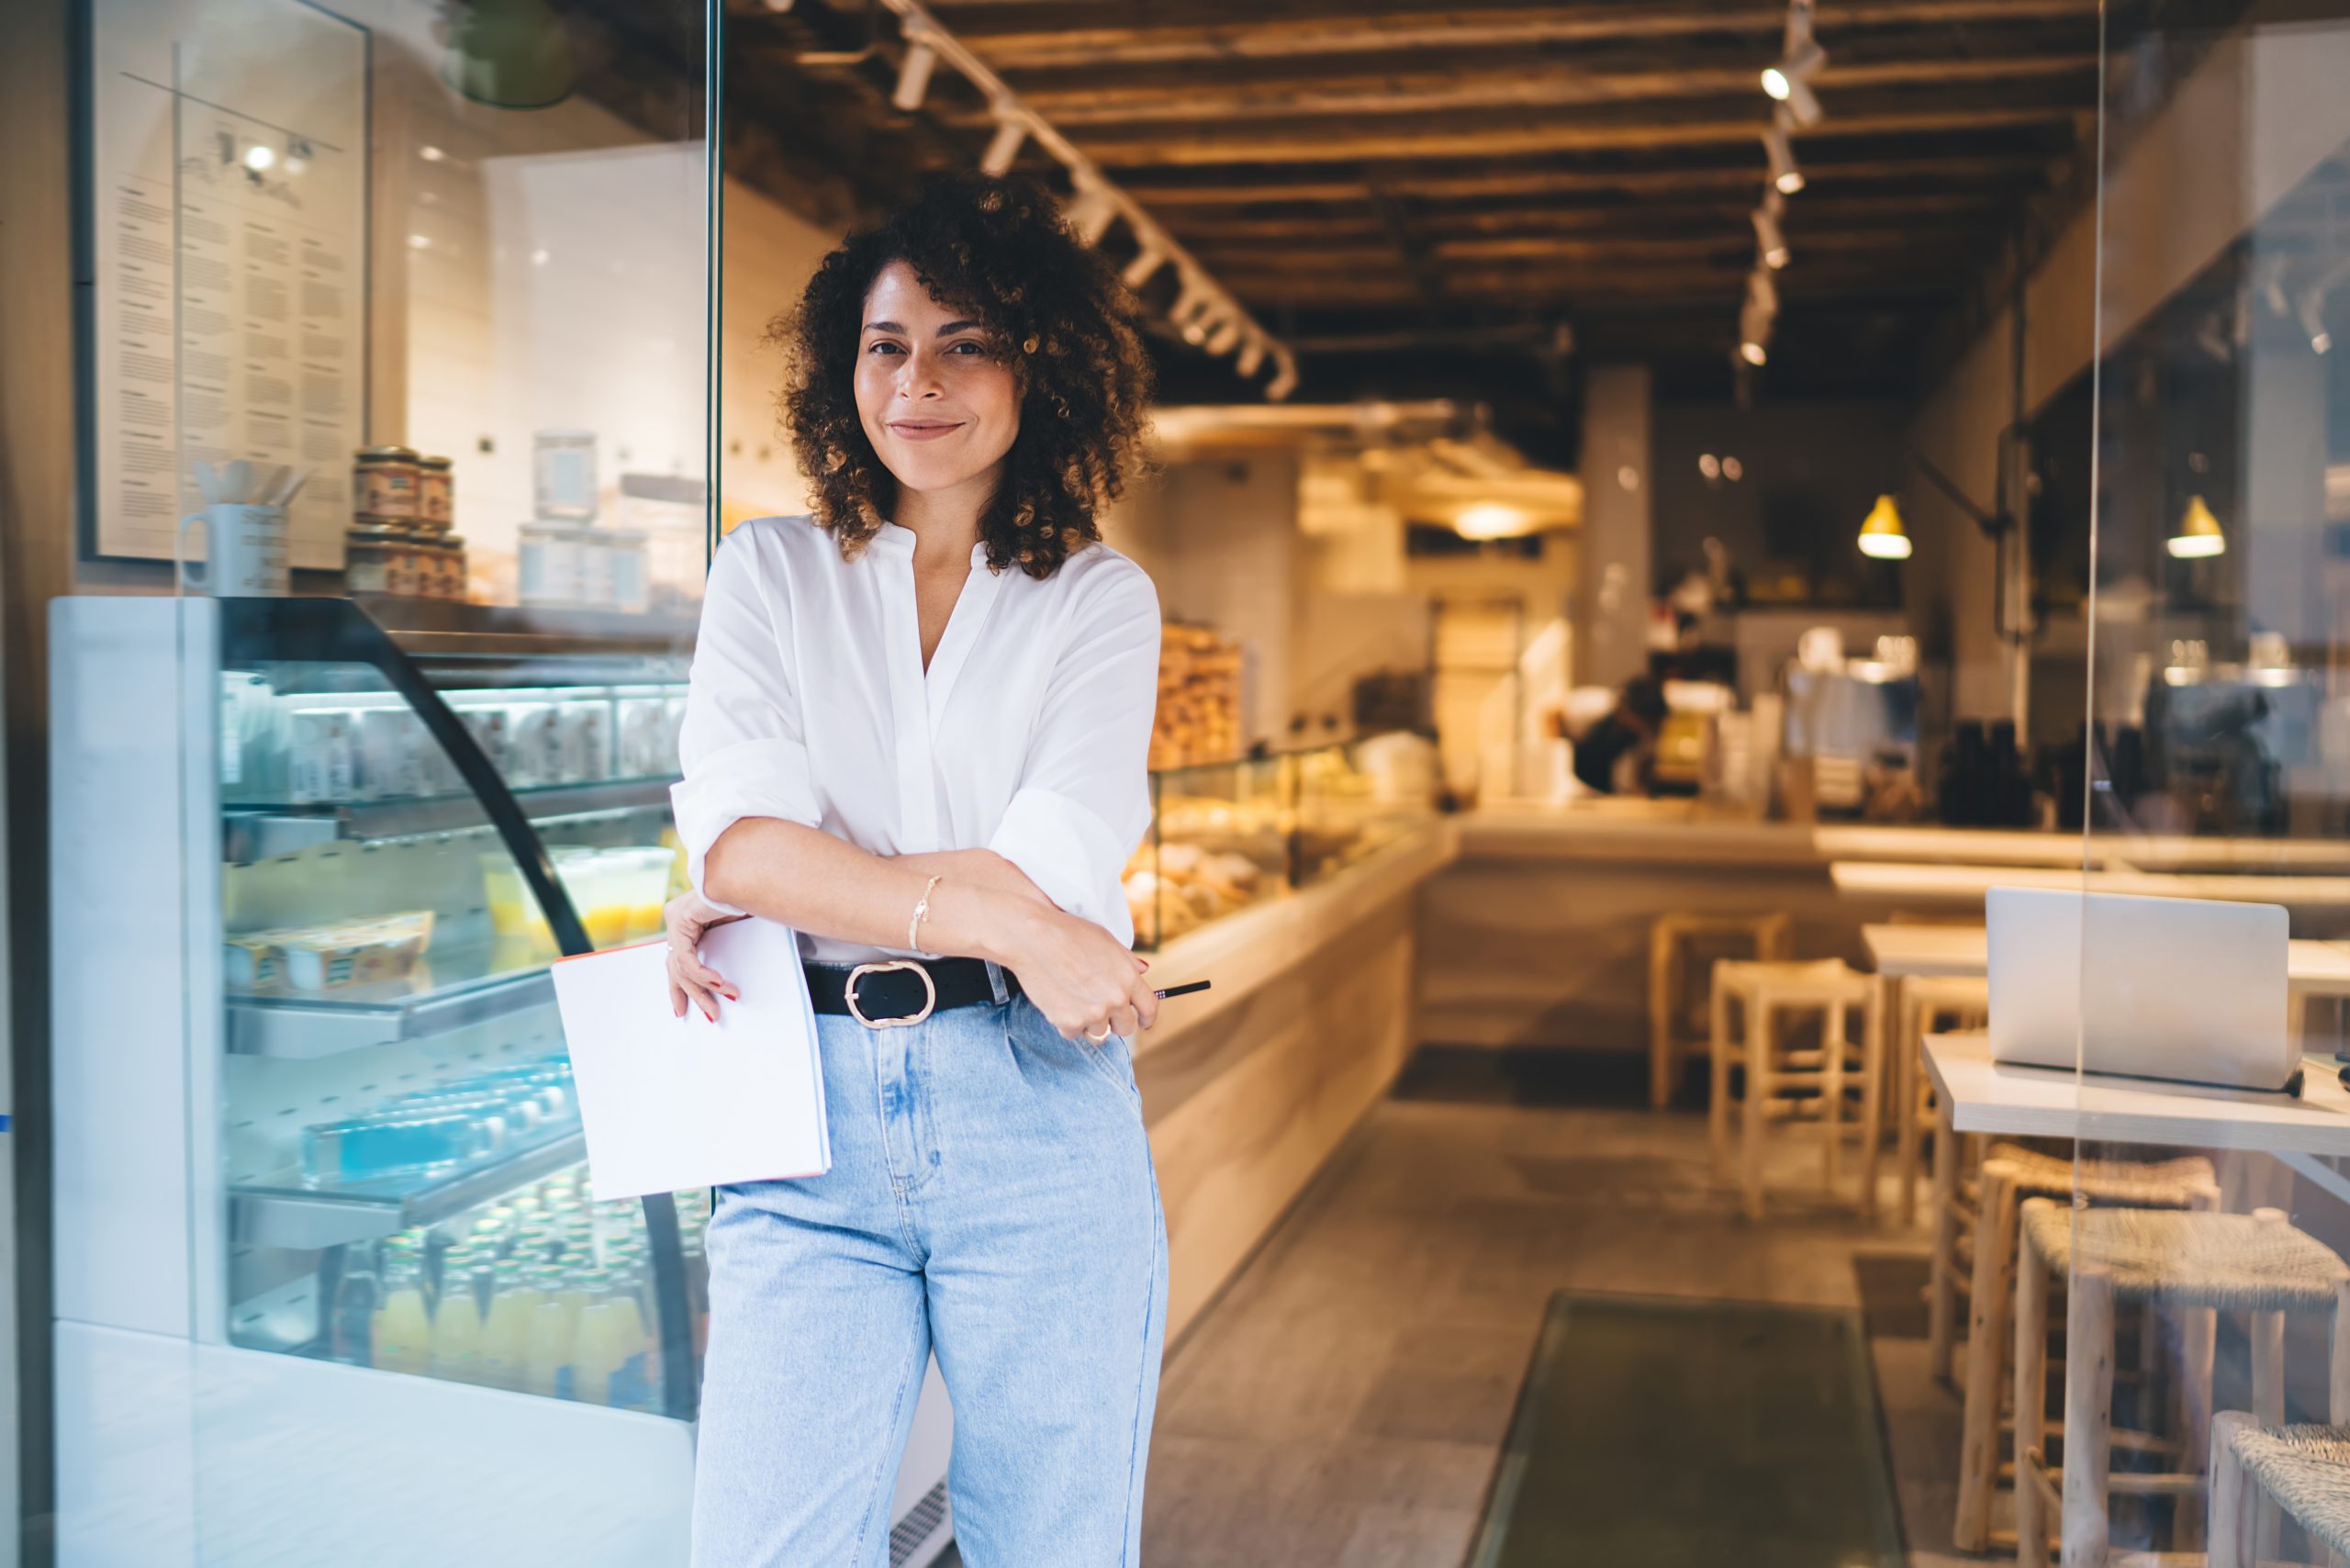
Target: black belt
(896, 992)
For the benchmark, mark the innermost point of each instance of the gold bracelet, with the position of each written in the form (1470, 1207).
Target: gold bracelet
(913, 926)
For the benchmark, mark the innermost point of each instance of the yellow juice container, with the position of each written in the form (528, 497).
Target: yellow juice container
(598, 1356)
(547, 1349)
(403, 1328)
(506, 1335)
(457, 1336)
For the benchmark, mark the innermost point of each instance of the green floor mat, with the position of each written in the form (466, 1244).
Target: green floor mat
(1653, 1433)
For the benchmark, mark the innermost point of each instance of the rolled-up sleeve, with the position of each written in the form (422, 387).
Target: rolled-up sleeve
(742, 749)
(1083, 801)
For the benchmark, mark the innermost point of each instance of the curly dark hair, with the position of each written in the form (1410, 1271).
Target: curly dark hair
(1056, 312)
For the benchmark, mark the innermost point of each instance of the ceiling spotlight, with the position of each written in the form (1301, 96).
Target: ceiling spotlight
(2313, 322)
(1195, 298)
(1769, 239)
(1762, 292)
(913, 76)
(260, 156)
(1138, 271)
(1092, 212)
(1283, 383)
(1802, 105)
(1786, 178)
(1752, 352)
(1226, 337)
(1802, 63)
(1005, 150)
(1252, 354)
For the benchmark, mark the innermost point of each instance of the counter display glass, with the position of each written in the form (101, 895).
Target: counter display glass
(1228, 836)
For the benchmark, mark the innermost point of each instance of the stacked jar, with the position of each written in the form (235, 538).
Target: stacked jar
(398, 543)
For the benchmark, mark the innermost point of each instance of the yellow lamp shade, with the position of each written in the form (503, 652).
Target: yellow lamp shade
(1882, 534)
(2198, 534)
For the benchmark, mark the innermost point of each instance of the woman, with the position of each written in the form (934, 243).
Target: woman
(916, 733)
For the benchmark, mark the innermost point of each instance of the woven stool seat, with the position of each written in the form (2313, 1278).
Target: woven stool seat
(2235, 1262)
(2168, 1183)
(1822, 976)
(2307, 1471)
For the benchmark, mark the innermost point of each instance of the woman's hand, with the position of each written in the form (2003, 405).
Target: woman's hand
(1082, 978)
(687, 916)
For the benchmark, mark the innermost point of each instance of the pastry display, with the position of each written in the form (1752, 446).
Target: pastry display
(1199, 697)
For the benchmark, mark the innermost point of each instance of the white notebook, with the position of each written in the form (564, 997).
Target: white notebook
(670, 1104)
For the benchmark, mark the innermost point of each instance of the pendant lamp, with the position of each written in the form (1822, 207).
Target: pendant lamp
(2198, 536)
(1881, 535)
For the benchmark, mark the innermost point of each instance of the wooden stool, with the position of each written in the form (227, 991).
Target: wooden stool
(1785, 1082)
(2201, 1263)
(1668, 936)
(1925, 1004)
(2305, 1470)
(2009, 1175)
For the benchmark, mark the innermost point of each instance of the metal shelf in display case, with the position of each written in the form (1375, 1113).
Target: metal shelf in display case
(284, 1212)
(304, 1027)
(252, 832)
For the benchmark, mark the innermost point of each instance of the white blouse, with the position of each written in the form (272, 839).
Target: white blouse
(1029, 734)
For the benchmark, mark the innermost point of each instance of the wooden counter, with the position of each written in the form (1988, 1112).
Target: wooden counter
(1247, 1088)
(1538, 934)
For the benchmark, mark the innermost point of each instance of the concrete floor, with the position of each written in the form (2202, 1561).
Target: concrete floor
(1344, 1401)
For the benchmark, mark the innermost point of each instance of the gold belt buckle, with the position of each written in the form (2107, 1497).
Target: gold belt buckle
(929, 986)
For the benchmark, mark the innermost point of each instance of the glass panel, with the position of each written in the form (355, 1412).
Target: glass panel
(1357, 799)
(1219, 843)
(407, 311)
(2190, 1288)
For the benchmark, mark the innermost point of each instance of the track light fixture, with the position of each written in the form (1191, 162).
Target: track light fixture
(1800, 60)
(1138, 271)
(913, 76)
(1204, 312)
(1760, 291)
(1003, 151)
(1770, 241)
(1786, 178)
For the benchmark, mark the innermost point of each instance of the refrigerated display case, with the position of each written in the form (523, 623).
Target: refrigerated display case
(323, 1174)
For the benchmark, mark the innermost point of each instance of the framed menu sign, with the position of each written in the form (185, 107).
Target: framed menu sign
(228, 238)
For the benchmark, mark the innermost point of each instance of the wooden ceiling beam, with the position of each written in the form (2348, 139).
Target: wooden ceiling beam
(1728, 248)
(1013, 36)
(1529, 85)
(1655, 217)
(1174, 189)
(1711, 124)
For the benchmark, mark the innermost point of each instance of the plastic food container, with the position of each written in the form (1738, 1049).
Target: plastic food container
(637, 880)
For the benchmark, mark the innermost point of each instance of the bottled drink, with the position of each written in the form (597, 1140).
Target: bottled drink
(403, 1324)
(505, 1337)
(350, 1328)
(546, 1357)
(457, 1329)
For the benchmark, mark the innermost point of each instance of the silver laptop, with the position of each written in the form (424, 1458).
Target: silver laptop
(2187, 989)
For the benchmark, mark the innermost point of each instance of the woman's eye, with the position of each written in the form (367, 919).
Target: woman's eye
(882, 348)
(966, 345)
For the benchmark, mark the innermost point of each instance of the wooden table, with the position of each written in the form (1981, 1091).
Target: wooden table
(1915, 882)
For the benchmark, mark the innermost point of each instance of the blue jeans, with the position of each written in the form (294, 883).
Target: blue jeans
(992, 1199)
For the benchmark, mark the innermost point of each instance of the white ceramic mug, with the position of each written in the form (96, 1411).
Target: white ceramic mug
(244, 554)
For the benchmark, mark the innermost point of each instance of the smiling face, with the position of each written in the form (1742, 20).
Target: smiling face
(936, 399)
